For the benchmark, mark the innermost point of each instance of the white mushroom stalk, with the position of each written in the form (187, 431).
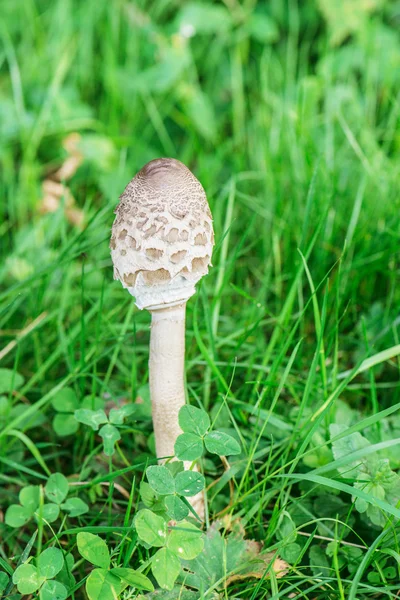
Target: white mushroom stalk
(161, 246)
(167, 391)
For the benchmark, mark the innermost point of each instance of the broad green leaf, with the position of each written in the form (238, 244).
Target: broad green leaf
(346, 447)
(262, 28)
(117, 415)
(50, 563)
(27, 579)
(318, 562)
(134, 578)
(4, 579)
(291, 553)
(65, 401)
(75, 507)
(110, 436)
(346, 17)
(201, 113)
(143, 402)
(188, 446)
(186, 541)
(147, 494)
(53, 590)
(92, 402)
(29, 497)
(161, 480)
(65, 575)
(224, 555)
(5, 410)
(93, 549)
(381, 483)
(65, 424)
(189, 483)
(176, 509)
(17, 516)
(389, 480)
(151, 528)
(286, 530)
(19, 413)
(223, 444)
(9, 381)
(175, 467)
(193, 420)
(103, 585)
(93, 418)
(99, 150)
(165, 567)
(199, 17)
(48, 512)
(56, 488)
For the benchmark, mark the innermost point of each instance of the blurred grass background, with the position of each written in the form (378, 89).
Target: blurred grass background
(288, 113)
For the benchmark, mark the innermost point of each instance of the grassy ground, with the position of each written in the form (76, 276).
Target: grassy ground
(288, 113)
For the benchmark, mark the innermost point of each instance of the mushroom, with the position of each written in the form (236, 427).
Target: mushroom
(161, 245)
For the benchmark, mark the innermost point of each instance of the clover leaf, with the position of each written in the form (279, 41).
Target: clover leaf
(30, 578)
(105, 583)
(110, 431)
(65, 403)
(56, 491)
(161, 480)
(194, 420)
(195, 424)
(185, 541)
(223, 444)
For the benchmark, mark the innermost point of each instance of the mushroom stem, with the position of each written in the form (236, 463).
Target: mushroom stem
(166, 364)
(167, 390)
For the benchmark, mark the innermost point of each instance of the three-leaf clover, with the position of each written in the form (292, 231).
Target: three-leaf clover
(30, 578)
(65, 403)
(106, 582)
(195, 424)
(175, 488)
(110, 430)
(185, 541)
(56, 491)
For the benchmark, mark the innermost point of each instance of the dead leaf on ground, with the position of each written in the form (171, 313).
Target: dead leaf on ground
(231, 558)
(54, 191)
(74, 159)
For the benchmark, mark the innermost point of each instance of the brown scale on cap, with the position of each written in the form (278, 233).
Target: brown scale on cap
(162, 232)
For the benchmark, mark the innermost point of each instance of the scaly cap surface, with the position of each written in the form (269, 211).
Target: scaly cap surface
(162, 236)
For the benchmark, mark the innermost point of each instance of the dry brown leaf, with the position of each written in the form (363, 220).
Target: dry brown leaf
(229, 557)
(53, 192)
(280, 568)
(233, 524)
(68, 168)
(262, 561)
(71, 143)
(113, 404)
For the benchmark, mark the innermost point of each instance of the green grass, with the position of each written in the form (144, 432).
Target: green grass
(289, 116)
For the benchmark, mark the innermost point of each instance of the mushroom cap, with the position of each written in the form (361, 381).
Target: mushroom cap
(162, 236)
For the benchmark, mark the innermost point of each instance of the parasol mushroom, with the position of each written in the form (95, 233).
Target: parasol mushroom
(161, 245)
